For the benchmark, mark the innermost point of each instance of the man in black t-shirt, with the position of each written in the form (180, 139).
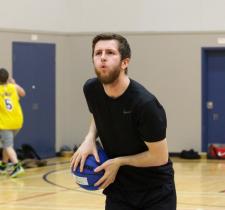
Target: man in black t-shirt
(131, 125)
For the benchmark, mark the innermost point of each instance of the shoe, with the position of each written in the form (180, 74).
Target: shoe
(18, 170)
(9, 168)
(3, 167)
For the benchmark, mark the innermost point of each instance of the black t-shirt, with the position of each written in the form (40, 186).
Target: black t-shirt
(124, 124)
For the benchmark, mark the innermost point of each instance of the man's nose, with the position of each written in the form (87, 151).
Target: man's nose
(103, 56)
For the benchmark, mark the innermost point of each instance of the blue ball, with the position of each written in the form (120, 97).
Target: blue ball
(87, 178)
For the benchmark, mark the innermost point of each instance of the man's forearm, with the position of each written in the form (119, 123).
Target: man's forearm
(92, 132)
(144, 159)
(158, 155)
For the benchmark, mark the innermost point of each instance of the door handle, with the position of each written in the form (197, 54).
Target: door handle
(209, 104)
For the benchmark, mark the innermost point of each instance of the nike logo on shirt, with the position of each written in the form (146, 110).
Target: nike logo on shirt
(126, 111)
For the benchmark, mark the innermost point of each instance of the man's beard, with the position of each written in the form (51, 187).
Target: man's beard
(109, 78)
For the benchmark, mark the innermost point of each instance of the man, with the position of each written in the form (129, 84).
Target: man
(131, 125)
(11, 121)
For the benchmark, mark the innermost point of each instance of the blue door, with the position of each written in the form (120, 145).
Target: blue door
(213, 102)
(34, 70)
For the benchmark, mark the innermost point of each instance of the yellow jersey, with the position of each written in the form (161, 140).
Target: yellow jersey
(11, 115)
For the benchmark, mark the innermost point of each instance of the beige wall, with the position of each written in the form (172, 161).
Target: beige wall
(102, 15)
(168, 64)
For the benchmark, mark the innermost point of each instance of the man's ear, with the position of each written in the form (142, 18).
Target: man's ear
(124, 63)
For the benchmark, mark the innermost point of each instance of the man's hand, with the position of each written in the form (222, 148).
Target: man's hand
(111, 168)
(88, 147)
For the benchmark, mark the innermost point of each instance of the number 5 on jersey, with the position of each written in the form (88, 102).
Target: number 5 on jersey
(8, 104)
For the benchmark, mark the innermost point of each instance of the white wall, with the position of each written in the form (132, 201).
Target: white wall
(117, 15)
(42, 15)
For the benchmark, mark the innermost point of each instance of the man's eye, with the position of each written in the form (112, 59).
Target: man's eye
(110, 52)
(98, 53)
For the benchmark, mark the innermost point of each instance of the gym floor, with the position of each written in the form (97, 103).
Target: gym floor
(200, 186)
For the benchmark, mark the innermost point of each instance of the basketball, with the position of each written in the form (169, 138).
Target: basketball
(88, 177)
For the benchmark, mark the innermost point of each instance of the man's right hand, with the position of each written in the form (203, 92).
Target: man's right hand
(88, 147)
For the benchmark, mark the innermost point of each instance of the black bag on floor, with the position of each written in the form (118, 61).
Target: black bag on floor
(190, 154)
(27, 152)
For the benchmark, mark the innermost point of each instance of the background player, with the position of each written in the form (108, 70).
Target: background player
(11, 120)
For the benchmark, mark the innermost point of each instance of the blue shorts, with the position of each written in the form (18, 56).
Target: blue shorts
(7, 137)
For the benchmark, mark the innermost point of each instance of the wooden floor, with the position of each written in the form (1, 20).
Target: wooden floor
(200, 186)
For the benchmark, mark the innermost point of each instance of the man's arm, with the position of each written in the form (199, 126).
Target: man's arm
(21, 92)
(156, 155)
(86, 148)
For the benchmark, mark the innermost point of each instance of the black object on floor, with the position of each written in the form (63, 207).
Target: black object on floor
(189, 154)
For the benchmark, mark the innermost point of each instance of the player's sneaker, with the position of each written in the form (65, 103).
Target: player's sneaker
(17, 171)
(3, 167)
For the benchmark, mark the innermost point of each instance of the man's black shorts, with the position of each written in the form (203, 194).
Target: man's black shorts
(159, 198)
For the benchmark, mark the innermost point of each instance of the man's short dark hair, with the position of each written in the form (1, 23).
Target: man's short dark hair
(124, 47)
(4, 75)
